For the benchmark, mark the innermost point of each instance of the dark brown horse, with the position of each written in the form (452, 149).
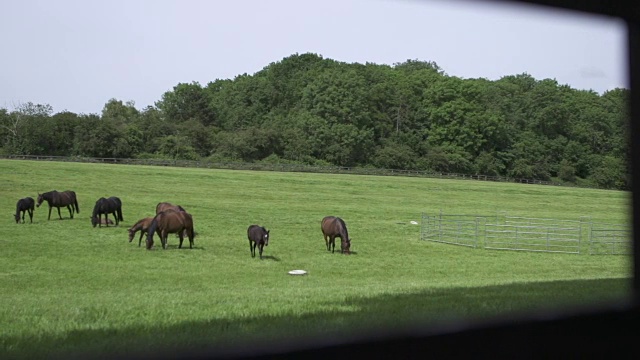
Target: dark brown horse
(258, 236)
(169, 206)
(333, 227)
(25, 206)
(143, 226)
(171, 222)
(105, 222)
(166, 206)
(58, 200)
(105, 206)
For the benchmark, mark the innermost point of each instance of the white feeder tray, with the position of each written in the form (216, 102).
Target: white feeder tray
(297, 272)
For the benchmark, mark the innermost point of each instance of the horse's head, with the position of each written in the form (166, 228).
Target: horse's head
(266, 237)
(346, 246)
(131, 234)
(94, 221)
(40, 199)
(17, 216)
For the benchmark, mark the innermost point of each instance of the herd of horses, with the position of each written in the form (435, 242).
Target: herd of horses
(169, 219)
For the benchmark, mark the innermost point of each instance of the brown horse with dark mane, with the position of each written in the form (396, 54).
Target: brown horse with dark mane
(106, 222)
(58, 200)
(171, 222)
(258, 237)
(143, 226)
(25, 206)
(333, 227)
(168, 206)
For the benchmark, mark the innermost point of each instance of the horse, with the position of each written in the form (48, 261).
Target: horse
(258, 236)
(171, 222)
(105, 222)
(169, 206)
(60, 199)
(143, 226)
(112, 205)
(333, 227)
(24, 206)
(166, 206)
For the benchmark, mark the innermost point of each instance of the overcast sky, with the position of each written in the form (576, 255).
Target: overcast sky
(76, 55)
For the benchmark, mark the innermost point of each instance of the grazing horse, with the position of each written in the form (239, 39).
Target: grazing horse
(169, 206)
(112, 205)
(333, 227)
(258, 236)
(26, 206)
(58, 200)
(171, 222)
(166, 206)
(143, 226)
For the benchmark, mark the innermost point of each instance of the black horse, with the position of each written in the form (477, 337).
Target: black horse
(333, 227)
(258, 236)
(60, 199)
(112, 205)
(25, 205)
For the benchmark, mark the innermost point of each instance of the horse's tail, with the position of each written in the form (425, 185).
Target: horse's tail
(75, 203)
(120, 213)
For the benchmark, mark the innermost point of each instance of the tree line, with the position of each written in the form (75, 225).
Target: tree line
(306, 109)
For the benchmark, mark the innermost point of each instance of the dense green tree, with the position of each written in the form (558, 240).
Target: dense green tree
(311, 110)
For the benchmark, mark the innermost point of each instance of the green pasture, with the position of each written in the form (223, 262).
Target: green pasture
(68, 288)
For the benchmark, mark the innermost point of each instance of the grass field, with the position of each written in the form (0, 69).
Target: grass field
(68, 288)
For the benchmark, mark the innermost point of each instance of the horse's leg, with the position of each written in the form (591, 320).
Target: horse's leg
(70, 211)
(60, 215)
(165, 238)
(190, 234)
(326, 241)
(180, 234)
(333, 244)
(261, 246)
(251, 248)
(140, 240)
(49, 218)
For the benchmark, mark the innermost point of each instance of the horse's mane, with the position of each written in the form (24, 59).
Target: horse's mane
(344, 226)
(141, 221)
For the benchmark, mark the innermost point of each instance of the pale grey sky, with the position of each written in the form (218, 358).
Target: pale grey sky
(76, 55)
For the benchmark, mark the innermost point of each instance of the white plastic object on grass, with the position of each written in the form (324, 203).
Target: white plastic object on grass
(297, 272)
(414, 222)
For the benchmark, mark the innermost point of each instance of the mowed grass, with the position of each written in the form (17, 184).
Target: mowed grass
(68, 288)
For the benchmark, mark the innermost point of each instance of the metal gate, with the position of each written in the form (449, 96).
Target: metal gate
(534, 234)
(452, 229)
(502, 232)
(606, 239)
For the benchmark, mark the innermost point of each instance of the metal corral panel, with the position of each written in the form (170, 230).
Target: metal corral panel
(503, 232)
(607, 239)
(452, 229)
